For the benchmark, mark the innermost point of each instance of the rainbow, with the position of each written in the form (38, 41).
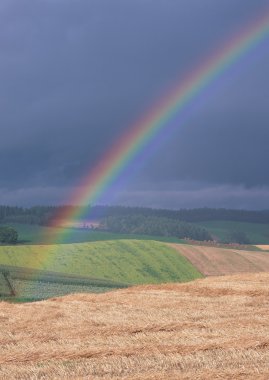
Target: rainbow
(139, 136)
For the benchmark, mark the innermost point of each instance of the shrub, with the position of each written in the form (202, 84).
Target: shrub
(8, 235)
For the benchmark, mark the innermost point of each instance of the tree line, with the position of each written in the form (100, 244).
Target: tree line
(156, 226)
(40, 215)
(187, 215)
(43, 215)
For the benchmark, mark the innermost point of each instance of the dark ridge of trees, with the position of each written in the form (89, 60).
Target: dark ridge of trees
(186, 215)
(156, 226)
(43, 215)
(40, 215)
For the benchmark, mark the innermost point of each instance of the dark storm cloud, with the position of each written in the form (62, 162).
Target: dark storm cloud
(76, 74)
(191, 195)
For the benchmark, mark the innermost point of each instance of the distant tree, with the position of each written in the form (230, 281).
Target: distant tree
(8, 235)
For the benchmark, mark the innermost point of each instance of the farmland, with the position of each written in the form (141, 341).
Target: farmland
(124, 261)
(34, 290)
(207, 329)
(19, 284)
(151, 331)
(212, 261)
(43, 271)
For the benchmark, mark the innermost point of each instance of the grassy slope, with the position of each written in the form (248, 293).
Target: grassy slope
(33, 234)
(21, 284)
(256, 232)
(128, 261)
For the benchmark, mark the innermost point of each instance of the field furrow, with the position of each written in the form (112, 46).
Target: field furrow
(215, 261)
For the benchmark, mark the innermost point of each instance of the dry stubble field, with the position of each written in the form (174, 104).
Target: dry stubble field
(214, 328)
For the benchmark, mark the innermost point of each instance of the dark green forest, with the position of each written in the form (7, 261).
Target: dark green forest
(155, 226)
(42, 215)
(39, 215)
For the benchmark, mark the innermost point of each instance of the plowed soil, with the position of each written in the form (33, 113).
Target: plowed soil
(214, 261)
(214, 328)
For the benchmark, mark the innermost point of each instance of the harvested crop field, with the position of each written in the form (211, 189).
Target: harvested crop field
(214, 261)
(214, 328)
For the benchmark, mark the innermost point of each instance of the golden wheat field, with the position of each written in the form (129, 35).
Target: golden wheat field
(214, 328)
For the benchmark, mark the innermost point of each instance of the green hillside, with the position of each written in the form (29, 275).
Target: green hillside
(257, 233)
(127, 261)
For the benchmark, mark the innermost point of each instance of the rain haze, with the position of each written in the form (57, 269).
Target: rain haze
(75, 75)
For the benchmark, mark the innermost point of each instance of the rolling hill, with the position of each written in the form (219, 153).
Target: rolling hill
(42, 271)
(120, 261)
(214, 328)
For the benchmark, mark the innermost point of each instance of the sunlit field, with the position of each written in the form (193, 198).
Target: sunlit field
(198, 330)
(128, 261)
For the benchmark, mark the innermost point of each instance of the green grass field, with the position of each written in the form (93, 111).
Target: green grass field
(33, 234)
(21, 284)
(257, 233)
(4, 288)
(126, 261)
(29, 290)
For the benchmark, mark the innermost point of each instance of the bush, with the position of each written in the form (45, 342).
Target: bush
(8, 235)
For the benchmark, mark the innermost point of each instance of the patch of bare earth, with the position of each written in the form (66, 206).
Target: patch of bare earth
(215, 261)
(215, 328)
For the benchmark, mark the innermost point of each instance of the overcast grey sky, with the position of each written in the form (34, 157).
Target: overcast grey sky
(75, 74)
